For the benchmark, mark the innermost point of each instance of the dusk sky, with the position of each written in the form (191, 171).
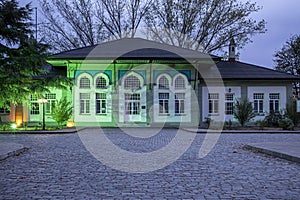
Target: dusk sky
(283, 21)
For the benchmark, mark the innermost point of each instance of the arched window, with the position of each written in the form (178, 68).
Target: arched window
(84, 83)
(101, 83)
(132, 82)
(163, 83)
(179, 83)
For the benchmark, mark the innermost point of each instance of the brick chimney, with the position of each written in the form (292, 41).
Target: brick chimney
(232, 46)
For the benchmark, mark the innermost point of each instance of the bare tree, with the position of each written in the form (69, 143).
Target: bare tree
(198, 24)
(122, 18)
(70, 24)
(205, 25)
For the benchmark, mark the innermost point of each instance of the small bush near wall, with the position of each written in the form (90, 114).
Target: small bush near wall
(261, 123)
(243, 111)
(291, 113)
(4, 126)
(286, 124)
(273, 118)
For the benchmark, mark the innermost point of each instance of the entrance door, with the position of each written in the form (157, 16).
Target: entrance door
(132, 99)
(132, 107)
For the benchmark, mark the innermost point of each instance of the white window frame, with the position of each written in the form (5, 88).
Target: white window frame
(101, 103)
(132, 103)
(213, 103)
(179, 85)
(179, 104)
(101, 83)
(51, 100)
(85, 103)
(164, 103)
(229, 103)
(163, 83)
(274, 101)
(34, 105)
(84, 83)
(258, 103)
(132, 82)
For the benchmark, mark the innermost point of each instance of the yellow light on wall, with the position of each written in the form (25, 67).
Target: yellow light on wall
(19, 122)
(70, 124)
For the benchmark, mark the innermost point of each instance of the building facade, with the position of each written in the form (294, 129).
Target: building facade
(136, 82)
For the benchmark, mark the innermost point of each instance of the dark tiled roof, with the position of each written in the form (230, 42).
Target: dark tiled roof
(51, 71)
(132, 48)
(239, 70)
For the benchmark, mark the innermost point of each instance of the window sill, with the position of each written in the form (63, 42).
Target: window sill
(163, 114)
(182, 114)
(260, 114)
(101, 114)
(216, 114)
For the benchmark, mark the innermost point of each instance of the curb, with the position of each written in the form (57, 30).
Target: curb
(272, 153)
(204, 131)
(42, 132)
(11, 149)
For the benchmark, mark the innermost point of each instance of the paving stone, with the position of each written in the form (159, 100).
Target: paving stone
(59, 167)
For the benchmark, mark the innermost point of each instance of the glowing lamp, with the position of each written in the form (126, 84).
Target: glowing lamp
(14, 126)
(19, 123)
(70, 124)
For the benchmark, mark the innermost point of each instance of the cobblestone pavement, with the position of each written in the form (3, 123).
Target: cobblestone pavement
(59, 167)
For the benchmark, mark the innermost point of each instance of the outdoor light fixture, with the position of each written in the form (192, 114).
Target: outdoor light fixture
(19, 122)
(13, 126)
(70, 124)
(43, 101)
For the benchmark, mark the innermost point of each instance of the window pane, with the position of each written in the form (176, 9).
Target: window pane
(274, 95)
(101, 82)
(82, 106)
(132, 82)
(179, 83)
(100, 103)
(5, 109)
(216, 106)
(276, 105)
(166, 107)
(163, 83)
(210, 106)
(84, 103)
(179, 96)
(229, 97)
(182, 106)
(258, 96)
(84, 83)
(35, 109)
(213, 96)
(261, 105)
(229, 108)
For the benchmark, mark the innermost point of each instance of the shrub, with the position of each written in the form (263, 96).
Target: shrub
(62, 111)
(4, 126)
(273, 118)
(291, 112)
(286, 124)
(261, 123)
(243, 111)
(228, 124)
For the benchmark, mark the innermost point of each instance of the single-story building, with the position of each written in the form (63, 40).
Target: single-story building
(131, 82)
